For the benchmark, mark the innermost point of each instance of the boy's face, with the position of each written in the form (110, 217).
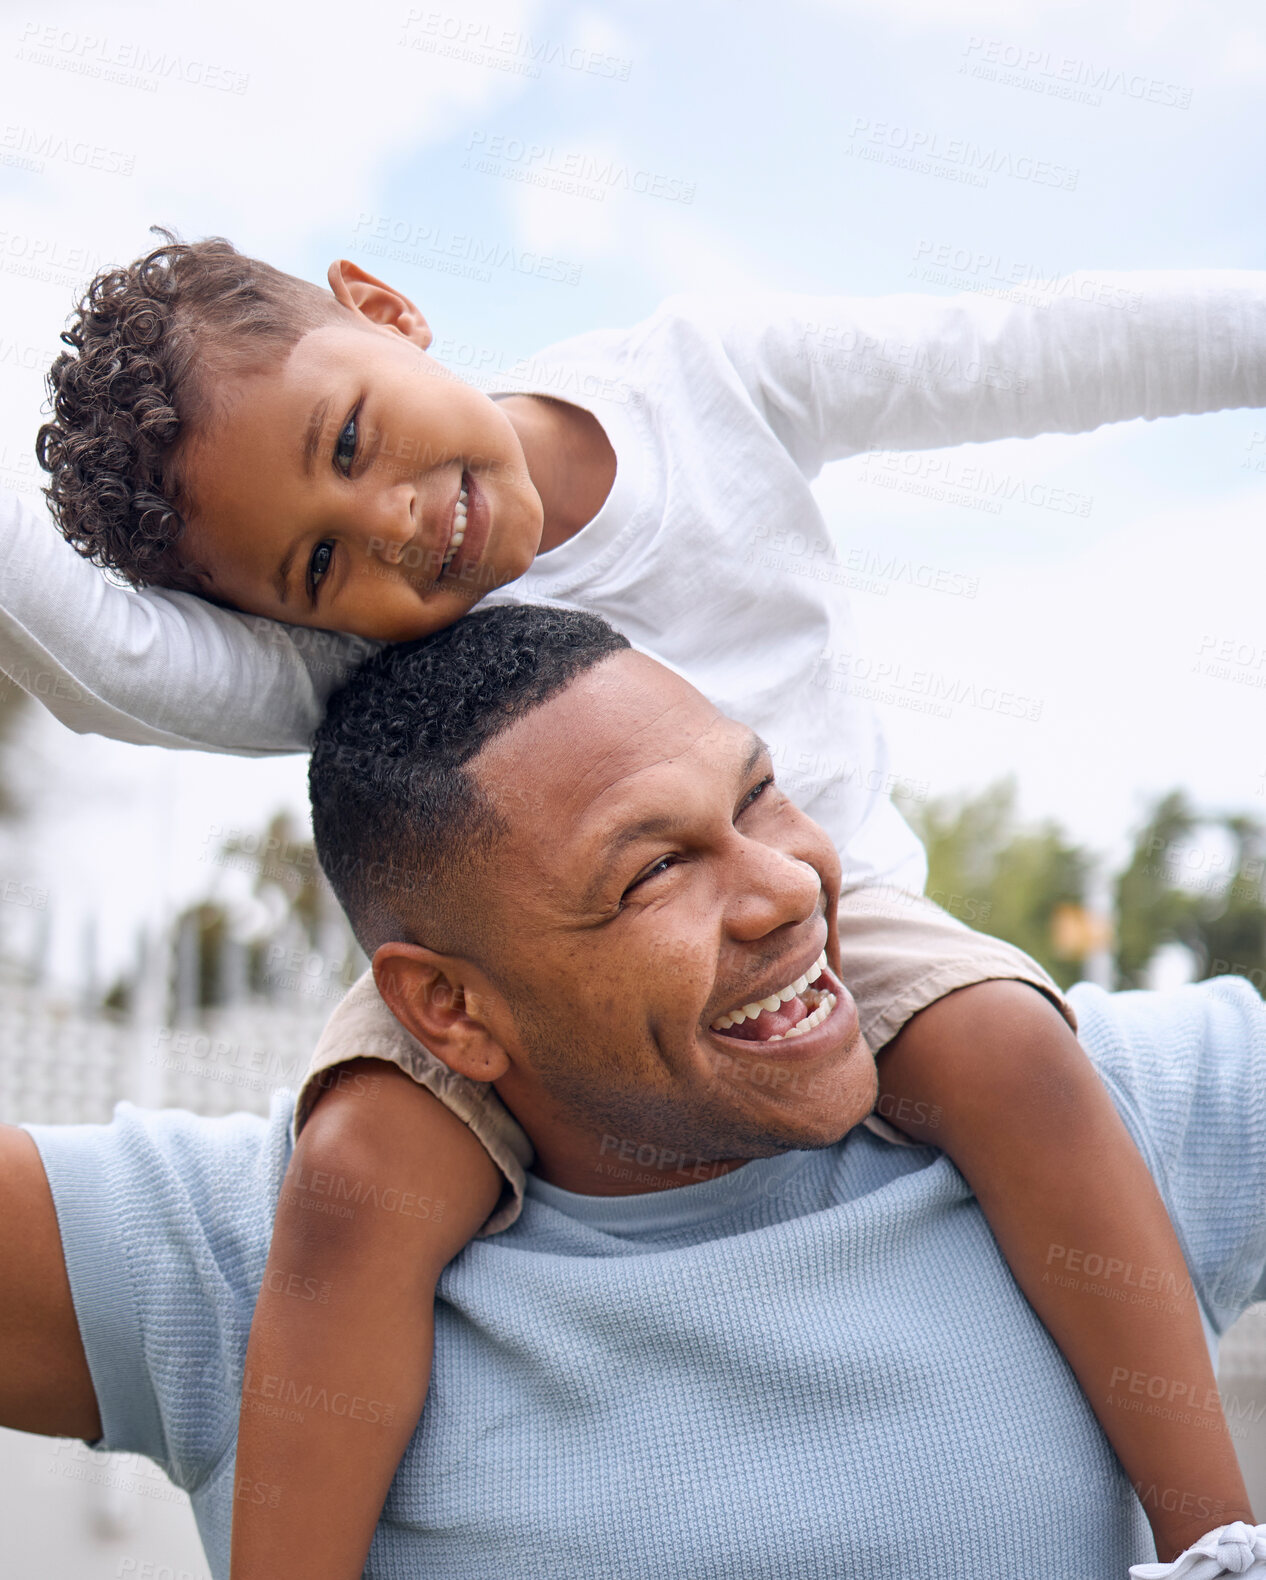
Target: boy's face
(328, 491)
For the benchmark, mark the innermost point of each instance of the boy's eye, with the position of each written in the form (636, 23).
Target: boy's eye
(345, 446)
(318, 565)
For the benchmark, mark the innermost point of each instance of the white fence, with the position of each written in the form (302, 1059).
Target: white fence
(63, 1064)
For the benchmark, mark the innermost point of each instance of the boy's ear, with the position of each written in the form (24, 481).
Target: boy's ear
(434, 997)
(378, 302)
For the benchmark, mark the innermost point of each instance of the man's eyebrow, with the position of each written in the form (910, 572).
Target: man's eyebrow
(658, 823)
(756, 751)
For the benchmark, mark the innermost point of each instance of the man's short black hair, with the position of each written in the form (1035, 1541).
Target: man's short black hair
(397, 815)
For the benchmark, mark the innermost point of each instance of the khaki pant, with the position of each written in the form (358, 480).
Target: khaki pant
(899, 953)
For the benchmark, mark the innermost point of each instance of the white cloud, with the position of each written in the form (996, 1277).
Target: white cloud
(669, 242)
(329, 94)
(1142, 18)
(1138, 634)
(1232, 49)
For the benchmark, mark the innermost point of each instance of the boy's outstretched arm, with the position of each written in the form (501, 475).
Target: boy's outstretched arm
(1027, 1121)
(384, 1188)
(840, 375)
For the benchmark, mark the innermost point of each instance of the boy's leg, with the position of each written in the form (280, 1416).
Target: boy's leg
(384, 1188)
(902, 952)
(362, 1027)
(989, 1070)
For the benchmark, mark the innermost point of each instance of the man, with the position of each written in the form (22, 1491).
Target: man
(797, 1362)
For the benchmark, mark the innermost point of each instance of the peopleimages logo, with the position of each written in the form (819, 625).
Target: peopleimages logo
(505, 48)
(574, 173)
(920, 690)
(962, 482)
(31, 150)
(1066, 76)
(930, 152)
(123, 61)
(1016, 279)
(456, 252)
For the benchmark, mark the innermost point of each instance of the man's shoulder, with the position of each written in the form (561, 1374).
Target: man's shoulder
(194, 1148)
(1170, 1055)
(195, 1144)
(165, 1218)
(181, 1190)
(1187, 1071)
(1128, 1032)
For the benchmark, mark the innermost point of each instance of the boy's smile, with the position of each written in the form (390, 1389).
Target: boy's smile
(359, 486)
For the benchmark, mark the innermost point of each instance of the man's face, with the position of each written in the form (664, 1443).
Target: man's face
(654, 880)
(330, 490)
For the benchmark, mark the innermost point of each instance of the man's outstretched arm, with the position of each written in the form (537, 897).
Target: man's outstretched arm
(154, 667)
(45, 1385)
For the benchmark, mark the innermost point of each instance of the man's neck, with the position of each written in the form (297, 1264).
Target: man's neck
(621, 1166)
(569, 459)
(590, 1161)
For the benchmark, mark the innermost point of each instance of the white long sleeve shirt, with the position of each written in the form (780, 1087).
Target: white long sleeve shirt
(710, 552)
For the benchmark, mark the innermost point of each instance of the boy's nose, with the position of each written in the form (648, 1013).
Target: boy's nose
(394, 529)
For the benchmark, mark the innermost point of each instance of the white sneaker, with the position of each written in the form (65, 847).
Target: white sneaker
(1237, 1549)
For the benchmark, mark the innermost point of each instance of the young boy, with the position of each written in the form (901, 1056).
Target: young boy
(233, 432)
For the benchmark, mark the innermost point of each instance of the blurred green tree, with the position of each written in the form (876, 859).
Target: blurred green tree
(1218, 911)
(287, 880)
(1024, 884)
(1150, 909)
(1192, 878)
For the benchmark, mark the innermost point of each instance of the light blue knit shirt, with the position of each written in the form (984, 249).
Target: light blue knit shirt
(817, 1366)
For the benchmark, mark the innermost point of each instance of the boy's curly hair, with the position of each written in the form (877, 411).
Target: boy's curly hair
(148, 344)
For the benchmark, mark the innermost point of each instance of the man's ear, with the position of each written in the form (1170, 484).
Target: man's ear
(378, 302)
(434, 997)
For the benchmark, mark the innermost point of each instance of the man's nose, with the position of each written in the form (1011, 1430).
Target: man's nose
(775, 889)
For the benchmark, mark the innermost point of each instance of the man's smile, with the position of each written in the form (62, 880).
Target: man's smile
(766, 1016)
(800, 1020)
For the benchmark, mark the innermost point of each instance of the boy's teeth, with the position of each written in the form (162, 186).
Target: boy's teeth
(459, 529)
(736, 1017)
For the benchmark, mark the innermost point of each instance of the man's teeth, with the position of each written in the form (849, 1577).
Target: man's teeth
(814, 1018)
(793, 990)
(459, 528)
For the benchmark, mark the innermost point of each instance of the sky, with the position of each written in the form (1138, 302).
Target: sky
(432, 144)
